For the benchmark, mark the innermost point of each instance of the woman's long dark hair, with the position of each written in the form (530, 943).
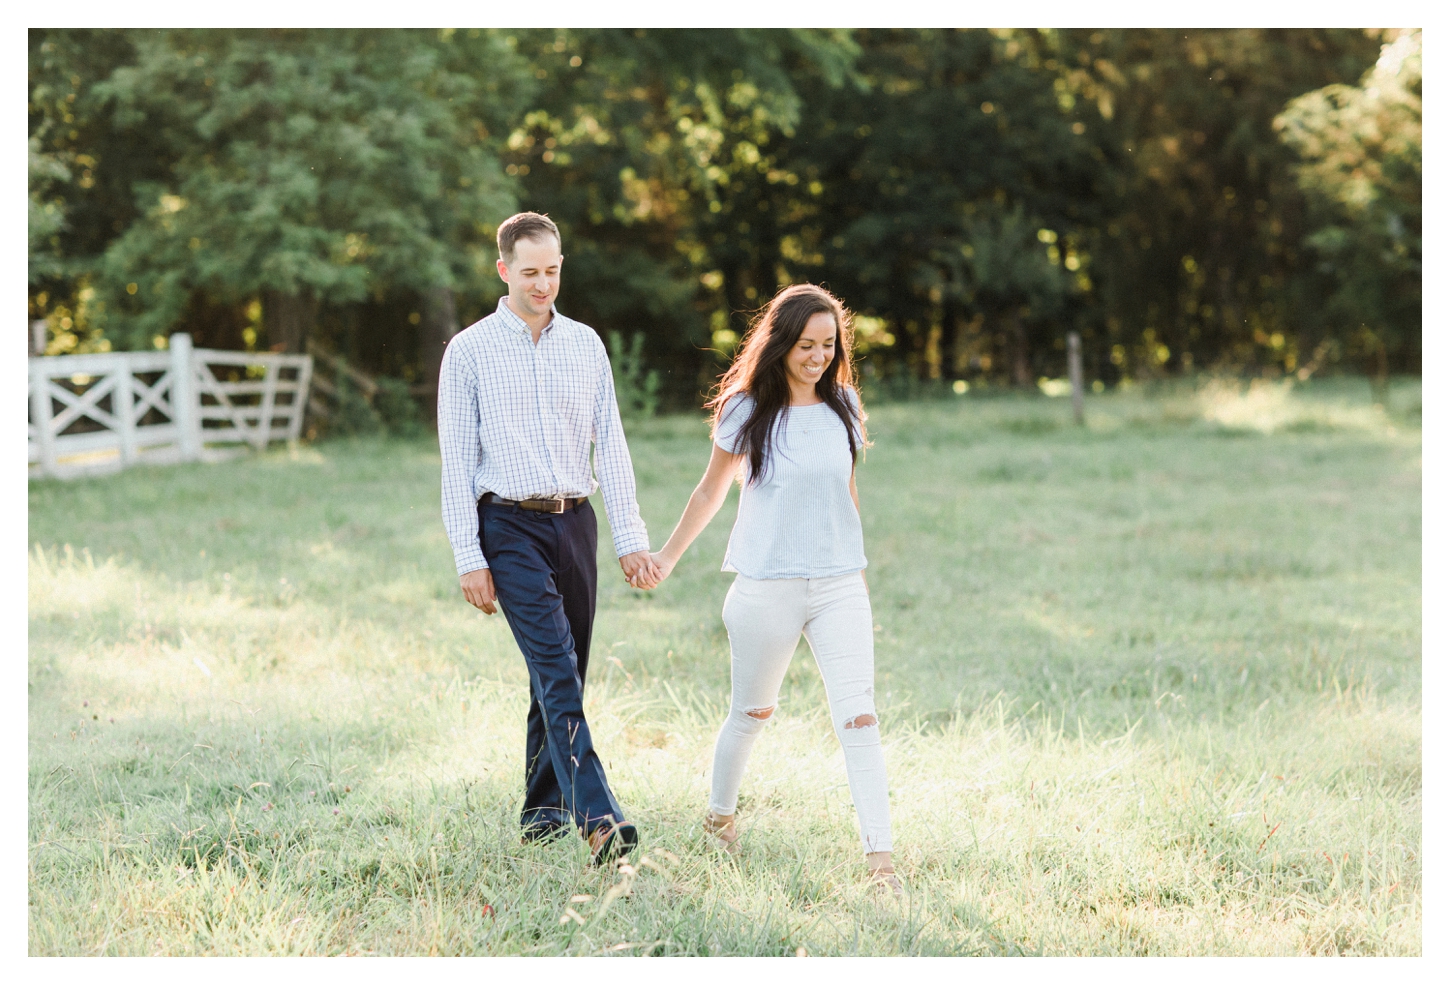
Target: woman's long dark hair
(759, 370)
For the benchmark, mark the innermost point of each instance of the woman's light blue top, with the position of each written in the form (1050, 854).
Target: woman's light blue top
(800, 521)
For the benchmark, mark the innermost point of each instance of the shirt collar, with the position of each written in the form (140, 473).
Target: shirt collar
(513, 321)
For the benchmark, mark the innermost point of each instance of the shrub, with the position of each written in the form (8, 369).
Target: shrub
(354, 414)
(635, 388)
(397, 409)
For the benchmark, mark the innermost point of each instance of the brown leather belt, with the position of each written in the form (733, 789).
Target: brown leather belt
(536, 505)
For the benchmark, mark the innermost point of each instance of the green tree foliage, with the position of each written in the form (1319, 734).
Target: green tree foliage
(69, 126)
(917, 193)
(46, 213)
(636, 139)
(396, 408)
(973, 195)
(1198, 259)
(1360, 148)
(88, 203)
(306, 167)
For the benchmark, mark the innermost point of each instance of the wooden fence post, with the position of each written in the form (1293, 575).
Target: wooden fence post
(40, 409)
(269, 400)
(185, 404)
(299, 401)
(1074, 373)
(123, 409)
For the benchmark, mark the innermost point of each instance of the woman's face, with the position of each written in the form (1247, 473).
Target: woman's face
(813, 351)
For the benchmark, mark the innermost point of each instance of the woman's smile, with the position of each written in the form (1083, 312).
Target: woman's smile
(813, 351)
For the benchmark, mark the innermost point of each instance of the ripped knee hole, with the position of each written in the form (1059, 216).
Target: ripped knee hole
(862, 721)
(761, 714)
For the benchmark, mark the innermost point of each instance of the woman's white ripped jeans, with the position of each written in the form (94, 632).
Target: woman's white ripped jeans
(765, 619)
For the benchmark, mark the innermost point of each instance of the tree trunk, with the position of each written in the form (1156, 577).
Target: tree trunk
(1379, 380)
(1017, 332)
(963, 348)
(1232, 318)
(288, 319)
(439, 324)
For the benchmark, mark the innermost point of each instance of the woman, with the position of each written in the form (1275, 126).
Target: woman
(788, 420)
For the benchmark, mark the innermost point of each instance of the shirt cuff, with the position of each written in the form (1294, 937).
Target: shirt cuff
(469, 561)
(635, 540)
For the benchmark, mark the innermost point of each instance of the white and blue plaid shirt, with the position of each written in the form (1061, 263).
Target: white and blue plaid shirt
(516, 419)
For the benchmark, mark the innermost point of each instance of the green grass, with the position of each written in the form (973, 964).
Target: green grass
(1147, 687)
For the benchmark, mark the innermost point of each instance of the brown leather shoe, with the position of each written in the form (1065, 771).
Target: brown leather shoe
(610, 841)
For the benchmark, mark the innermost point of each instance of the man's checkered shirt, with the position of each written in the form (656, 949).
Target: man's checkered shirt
(516, 419)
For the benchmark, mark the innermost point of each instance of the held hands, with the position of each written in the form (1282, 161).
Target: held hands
(643, 570)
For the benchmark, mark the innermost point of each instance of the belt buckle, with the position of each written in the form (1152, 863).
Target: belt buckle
(556, 505)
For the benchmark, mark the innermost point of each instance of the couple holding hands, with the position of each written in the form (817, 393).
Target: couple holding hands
(522, 394)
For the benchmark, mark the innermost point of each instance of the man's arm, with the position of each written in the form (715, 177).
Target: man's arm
(458, 443)
(615, 471)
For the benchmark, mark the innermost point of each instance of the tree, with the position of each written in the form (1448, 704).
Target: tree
(916, 189)
(1015, 277)
(634, 144)
(46, 213)
(973, 195)
(1360, 153)
(308, 168)
(1197, 256)
(81, 177)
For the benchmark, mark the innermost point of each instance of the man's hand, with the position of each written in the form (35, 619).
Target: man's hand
(640, 570)
(478, 589)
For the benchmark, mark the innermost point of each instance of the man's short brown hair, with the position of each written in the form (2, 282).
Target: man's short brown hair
(524, 225)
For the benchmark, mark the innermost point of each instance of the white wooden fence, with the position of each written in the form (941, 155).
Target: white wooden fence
(105, 411)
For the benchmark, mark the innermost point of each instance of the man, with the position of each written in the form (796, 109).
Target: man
(521, 395)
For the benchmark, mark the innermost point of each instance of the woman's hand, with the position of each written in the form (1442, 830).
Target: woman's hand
(663, 564)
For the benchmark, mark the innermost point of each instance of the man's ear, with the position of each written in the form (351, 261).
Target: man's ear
(503, 270)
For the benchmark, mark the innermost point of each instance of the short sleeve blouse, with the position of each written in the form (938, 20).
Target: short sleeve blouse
(799, 521)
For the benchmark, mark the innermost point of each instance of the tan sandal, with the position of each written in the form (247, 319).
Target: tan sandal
(884, 878)
(722, 833)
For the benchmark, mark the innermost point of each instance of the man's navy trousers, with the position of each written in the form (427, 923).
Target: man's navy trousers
(545, 574)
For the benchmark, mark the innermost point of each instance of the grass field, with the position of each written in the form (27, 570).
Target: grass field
(1147, 687)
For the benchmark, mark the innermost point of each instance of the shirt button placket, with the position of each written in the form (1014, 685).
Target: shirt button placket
(541, 381)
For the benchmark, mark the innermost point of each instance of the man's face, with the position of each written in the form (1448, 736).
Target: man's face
(533, 277)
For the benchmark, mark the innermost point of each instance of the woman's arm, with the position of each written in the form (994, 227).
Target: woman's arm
(705, 502)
